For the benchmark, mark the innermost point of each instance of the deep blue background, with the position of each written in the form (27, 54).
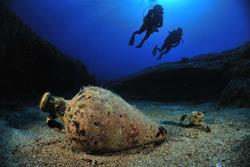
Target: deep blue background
(97, 31)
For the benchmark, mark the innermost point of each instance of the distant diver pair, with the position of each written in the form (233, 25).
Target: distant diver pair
(151, 22)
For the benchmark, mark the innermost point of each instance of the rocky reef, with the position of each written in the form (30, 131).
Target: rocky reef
(222, 77)
(30, 65)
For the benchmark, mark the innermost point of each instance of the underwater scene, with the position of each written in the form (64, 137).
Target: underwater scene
(124, 83)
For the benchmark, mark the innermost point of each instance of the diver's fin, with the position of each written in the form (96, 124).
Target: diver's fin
(139, 46)
(154, 50)
(132, 40)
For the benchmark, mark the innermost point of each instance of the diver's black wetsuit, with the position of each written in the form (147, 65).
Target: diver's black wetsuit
(152, 21)
(172, 41)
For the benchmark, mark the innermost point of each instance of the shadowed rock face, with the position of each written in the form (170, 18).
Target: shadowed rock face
(200, 78)
(29, 65)
(237, 92)
(183, 84)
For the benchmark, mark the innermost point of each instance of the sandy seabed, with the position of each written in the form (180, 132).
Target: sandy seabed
(25, 140)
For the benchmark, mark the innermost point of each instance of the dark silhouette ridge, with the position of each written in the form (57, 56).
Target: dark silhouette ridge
(222, 77)
(29, 65)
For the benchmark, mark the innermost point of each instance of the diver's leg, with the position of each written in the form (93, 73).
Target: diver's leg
(163, 53)
(155, 50)
(158, 49)
(132, 38)
(162, 48)
(148, 33)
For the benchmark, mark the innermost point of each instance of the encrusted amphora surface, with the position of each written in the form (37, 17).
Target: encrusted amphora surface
(96, 120)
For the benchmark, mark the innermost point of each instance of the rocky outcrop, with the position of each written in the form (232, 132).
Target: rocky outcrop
(29, 65)
(237, 92)
(216, 76)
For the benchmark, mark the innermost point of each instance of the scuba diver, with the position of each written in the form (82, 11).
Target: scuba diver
(151, 22)
(173, 40)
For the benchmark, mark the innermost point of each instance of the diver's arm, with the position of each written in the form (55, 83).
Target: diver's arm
(160, 24)
(176, 44)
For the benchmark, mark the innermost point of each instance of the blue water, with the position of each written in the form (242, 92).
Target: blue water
(97, 31)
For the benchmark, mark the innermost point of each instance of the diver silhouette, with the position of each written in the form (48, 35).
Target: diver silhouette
(173, 40)
(151, 22)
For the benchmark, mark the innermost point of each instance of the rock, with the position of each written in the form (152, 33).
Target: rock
(30, 65)
(237, 92)
(201, 78)
(96, 120)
